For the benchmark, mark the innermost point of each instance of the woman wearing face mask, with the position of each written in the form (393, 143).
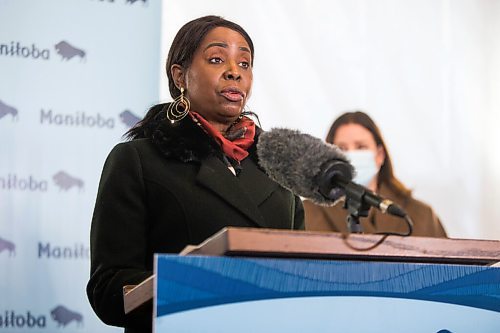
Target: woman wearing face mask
(358, 136)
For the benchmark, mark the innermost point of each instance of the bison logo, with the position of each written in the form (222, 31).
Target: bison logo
(5, 245)
(6, 109)
(65, 181)
(128, 118)
(68, 51)
(63, 316)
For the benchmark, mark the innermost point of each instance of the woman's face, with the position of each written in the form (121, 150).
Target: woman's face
(350, 137)
(219, 80)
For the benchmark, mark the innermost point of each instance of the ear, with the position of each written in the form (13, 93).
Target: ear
(380, 156)
(178, 74)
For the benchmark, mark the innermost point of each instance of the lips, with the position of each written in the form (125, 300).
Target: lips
(233, 94)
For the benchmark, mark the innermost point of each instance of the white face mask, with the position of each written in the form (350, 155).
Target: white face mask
(364, 164)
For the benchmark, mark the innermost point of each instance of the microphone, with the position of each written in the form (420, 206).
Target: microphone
(314, 169)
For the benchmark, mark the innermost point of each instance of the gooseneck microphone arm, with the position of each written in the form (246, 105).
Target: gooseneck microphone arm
(356, 205)
(358, 199)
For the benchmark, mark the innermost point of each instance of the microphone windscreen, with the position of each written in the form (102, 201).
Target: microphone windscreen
(294, 160)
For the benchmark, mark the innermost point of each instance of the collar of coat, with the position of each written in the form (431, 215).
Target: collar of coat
(185, 140)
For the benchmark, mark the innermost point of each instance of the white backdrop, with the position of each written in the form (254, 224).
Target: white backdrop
(427, 71)
(74, 74)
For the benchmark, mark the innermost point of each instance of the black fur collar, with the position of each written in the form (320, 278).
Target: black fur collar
(185, 140)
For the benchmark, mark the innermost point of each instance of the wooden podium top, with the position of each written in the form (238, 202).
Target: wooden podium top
(274, 243)
(232, 241)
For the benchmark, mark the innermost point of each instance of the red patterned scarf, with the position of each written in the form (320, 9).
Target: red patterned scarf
(238, 139)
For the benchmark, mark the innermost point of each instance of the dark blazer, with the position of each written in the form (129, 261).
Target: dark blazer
(426, 222)
(161, 193)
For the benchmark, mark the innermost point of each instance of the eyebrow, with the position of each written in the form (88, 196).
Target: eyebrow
(224, 45)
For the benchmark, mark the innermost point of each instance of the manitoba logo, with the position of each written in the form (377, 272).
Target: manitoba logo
(65, 181)
(126, 1)
(76, 119)
(7, 246)
(60, 314)
(13, 182)
(18, 49)
(13, 319)
(128, 118)
(64, 316)
(51, 251)
(68, 51)
(7, 110)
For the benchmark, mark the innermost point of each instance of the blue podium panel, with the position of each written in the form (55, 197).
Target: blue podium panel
(227, 294)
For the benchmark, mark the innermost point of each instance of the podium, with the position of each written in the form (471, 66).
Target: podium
(254, 280)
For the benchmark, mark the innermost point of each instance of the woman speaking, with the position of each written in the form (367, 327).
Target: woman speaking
(189, 169)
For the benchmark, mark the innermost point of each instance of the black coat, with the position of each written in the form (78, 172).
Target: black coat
(161, 193)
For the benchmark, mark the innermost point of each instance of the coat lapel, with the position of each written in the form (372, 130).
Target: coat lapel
(250, 175)
(215, 176)
(187, 142)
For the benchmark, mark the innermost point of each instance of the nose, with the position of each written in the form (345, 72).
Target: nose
(232, 72)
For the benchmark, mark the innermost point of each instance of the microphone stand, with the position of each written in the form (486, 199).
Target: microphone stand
(356, 206)
(358, 199)
(356, 202)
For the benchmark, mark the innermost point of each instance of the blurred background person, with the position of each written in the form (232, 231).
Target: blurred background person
(358, 136)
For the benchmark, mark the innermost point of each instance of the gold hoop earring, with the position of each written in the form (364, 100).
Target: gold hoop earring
(179, 108)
